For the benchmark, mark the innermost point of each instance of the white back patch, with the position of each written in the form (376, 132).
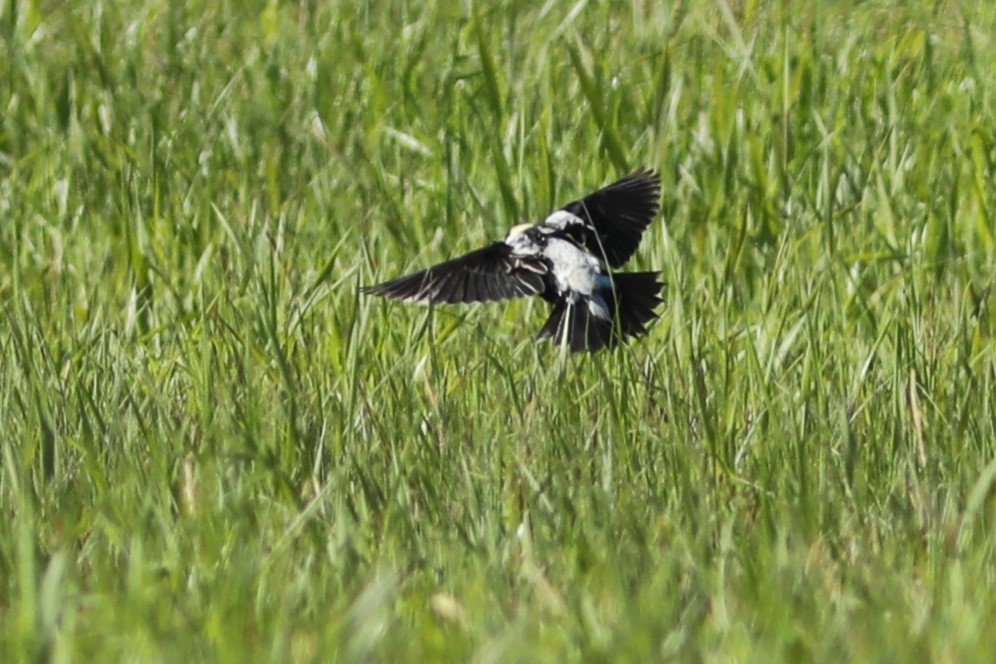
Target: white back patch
(575, 270)
(559, 220)
(598, 307)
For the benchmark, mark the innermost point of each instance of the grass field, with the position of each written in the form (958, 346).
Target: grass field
(214, 448)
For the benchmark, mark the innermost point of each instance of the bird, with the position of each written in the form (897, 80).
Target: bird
(567, 259)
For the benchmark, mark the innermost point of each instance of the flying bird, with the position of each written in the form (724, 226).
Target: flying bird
(567, 259)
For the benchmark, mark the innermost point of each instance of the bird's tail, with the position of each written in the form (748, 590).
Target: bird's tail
(583, 325)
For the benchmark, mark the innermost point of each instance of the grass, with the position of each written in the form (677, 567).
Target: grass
(214, 449)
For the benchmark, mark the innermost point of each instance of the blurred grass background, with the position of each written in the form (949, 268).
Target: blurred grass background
(214, 449)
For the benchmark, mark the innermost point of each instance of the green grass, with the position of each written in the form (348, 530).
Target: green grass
(213, 448)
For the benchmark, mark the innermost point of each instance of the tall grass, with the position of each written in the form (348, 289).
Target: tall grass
(214, 448)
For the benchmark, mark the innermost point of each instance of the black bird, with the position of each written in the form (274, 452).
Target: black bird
(566, 260)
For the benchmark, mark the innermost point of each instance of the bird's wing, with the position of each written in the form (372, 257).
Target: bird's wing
(485, 275)
(612, 219)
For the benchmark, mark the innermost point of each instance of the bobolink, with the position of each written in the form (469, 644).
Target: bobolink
(566, 260)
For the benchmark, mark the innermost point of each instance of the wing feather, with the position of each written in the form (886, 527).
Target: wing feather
(614, 218)
(484, 275)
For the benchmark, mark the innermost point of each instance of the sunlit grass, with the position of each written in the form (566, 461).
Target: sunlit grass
(214, 448)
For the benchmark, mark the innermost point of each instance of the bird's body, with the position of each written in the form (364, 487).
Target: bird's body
(566, 259)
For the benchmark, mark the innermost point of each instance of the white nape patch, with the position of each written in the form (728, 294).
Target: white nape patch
(576, 271)
(560, 220)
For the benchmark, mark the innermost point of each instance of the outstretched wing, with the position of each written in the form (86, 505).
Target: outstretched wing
(612, 220)
(485, 275)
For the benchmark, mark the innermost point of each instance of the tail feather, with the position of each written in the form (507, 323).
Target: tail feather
(631, 300)
(573, 324)
(637, 295)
